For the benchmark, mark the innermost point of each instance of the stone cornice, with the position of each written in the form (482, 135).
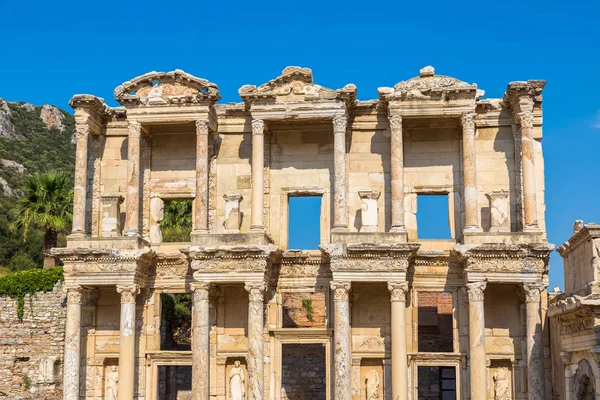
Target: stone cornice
(564, 305)
(232, 259)
(587, 232)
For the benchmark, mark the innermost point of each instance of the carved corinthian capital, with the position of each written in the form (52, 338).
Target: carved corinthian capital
(201, 127)
(339, 123)
(532, 292)
(396, 122)
(74, 294)
(128, 293)
(258, 126)
(468, 121)
(525, 119)
(255, 290)
(340, 290)
(201, 290)
(135, 128)
(398, 290)
(83, 131)
(475, 291)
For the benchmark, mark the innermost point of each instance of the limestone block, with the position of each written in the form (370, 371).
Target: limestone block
(233, 215)
(499, 211)
(48, 370)
(369, 210)
(111, 215)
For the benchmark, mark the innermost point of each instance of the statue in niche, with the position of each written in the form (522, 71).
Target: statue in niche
(236, 382)
(501, 384)
(372, 385)
(112, 383)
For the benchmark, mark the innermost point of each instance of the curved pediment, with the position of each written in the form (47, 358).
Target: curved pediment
(162, 88)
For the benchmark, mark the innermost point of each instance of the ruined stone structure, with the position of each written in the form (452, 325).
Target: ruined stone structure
(377, 312)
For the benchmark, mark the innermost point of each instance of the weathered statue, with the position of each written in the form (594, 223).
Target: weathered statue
(501, 384)
(372, 385)
(236, 382)
(112, 383)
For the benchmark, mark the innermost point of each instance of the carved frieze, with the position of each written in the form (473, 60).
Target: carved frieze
(230, 259)
(81, 261)
(505, 258)
(367, 257)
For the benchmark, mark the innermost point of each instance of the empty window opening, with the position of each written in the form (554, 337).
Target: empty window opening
(176, 321)
(303, 372)
(304, 222)
(432, 216)
(176, 225)
(436, 383)
(174, 382)
(435, 322)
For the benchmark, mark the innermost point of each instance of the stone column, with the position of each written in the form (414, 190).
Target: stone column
(258, 161)
(200, 341)
(127, 341)
(399, 355)
(477, 355)
(256, 344)
(201, 201)
(132, 220)
(72, 344)
(79, 190)
(397, 174)
(470, 174)
(342, 377)
(535, 361)
(340, 215)
(528, 170)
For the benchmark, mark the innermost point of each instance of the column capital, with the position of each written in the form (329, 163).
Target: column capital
(340, 123)
(128, 293)
(475, 291)
(395, 122)
(202, 126)
(83, 130)
(255, 290)
(468, 121)
(135, 128)
(74, 294)
(258, 127)
(398, 290)
(341, 290)
(525, 119)
(201, 290)
(532, 291)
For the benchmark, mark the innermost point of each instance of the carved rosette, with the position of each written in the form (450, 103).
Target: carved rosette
(468, 122)
(475, 291)
(74, 294)
(532, 292)
(398, 290)
(258, 126)
(340, 290)
(339, 124)
(525, 119)
(128, 293)
(396, 122)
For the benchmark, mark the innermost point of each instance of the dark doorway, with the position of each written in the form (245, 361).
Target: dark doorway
(303, 372)
(174, 382)
(436, 383)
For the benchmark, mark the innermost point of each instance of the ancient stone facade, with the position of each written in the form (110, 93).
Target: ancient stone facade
(354, 302)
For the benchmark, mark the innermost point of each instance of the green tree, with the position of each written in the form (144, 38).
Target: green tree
(177, 222)
(21, 262)
(46, 205)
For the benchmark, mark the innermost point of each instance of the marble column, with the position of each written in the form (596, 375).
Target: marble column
(72, 344)
(398, 291)
(256, 345)
(477, 355)
(470, 174)
(535, 361)
(127, 341)
(80, 185)
(200, 341)
(528, 170)
(201, 201)
(397, 174)
(340, 214)
(258, 164)
(341, 337)
(132, 218)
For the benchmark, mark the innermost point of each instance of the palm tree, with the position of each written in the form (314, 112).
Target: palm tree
(46, 205)
(177, 222)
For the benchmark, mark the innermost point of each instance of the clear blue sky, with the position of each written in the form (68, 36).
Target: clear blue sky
(51, 50)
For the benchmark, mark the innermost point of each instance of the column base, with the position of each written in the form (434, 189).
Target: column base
(132, 232)
(341, 228)
(532, 228)
(398, 229)
(472, 229)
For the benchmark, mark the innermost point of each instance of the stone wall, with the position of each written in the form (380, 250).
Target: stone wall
(303, 375)
(31, 351)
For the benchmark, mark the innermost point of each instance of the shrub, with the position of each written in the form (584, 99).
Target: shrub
(21, 262)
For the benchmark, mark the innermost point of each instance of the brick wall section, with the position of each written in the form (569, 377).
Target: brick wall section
(435, 322)
(303, 372)
(25, 345)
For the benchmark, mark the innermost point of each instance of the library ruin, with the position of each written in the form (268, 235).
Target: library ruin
(375, 308)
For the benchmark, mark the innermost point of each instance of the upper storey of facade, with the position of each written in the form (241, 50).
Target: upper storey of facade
(369, 163)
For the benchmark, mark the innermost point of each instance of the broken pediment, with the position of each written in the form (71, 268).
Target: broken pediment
(163, 88)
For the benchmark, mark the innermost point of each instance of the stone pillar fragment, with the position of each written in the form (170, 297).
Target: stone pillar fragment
(340, 214)
(157, 214)
(233, 215)
(201, 201)
(535, 362)
(132, 220)
(258, 161)
(72, 344)
(528, 170)
(127, 341)
(477, 353)
(499, 211)
(200, 341)
(111, 215)
(80, 185)
(470, 174)
(397, 174)
(369, 210)
(342, 357)
(399, 350)
(256, 345)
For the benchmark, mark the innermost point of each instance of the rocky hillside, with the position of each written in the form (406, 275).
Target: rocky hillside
(32, 139)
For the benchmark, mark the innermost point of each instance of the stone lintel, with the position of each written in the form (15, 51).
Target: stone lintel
(231, 239)
(369, 237)
(181, 115)
(505, 238)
